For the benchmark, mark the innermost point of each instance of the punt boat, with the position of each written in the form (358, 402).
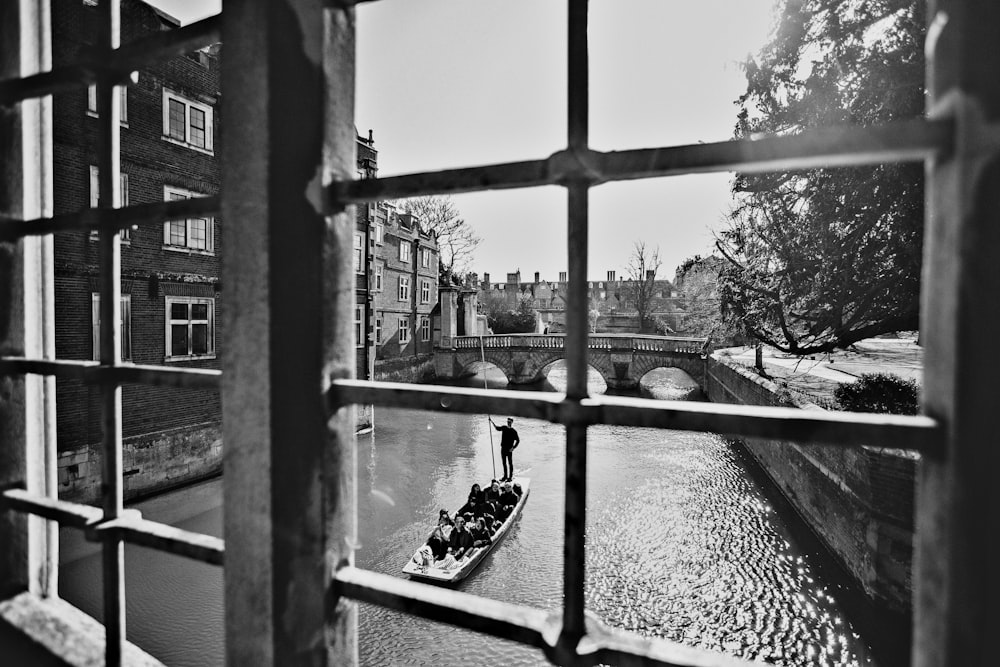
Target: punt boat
(464, 566)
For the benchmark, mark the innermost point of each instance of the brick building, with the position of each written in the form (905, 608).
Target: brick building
(397, 283)
(171, 293)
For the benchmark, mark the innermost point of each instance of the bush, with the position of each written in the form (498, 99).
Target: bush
(879, 392)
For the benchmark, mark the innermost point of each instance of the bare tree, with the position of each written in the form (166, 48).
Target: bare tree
(457, 242)
(640, 281)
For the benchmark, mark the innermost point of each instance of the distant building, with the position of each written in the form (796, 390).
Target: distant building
(397, 281)
(611, 297)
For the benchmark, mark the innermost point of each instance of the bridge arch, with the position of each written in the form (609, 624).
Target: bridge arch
(544, 373)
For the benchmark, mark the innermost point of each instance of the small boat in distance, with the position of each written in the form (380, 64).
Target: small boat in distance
(462, 568)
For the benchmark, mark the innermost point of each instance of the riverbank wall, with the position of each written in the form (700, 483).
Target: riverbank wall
(414, 370)
(858, 500)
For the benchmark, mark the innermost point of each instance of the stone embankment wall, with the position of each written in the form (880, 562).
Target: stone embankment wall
(406, 369)
(858, 500)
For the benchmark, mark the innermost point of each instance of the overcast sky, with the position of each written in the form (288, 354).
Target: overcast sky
(450, 83)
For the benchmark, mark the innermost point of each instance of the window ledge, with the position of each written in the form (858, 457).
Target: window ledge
(177, 142)
(190, 357)
(55, 632)
(189, 251)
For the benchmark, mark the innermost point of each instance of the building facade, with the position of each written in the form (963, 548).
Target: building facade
(396, 266)
(171, 292)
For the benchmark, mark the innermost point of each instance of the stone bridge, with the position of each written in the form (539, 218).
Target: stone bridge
(622, 359)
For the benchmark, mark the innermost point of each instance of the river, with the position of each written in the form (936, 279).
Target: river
(680, 544)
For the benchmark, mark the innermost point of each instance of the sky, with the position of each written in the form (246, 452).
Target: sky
(452, 83)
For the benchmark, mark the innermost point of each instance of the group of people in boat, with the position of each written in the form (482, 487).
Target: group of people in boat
(473, 525)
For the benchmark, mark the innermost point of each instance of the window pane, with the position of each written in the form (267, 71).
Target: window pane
(199, 234)
(199, 311)
(179, 311)
(197, 127)
(178, 340)
(199, 339)
(175, 122)
(178, 232)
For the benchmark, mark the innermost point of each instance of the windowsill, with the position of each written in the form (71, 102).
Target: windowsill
(197, 149)
(56, 632)
(93, 114)
(189, 251)
(191, 357)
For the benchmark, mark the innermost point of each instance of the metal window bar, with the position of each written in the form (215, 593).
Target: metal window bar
(578, 168)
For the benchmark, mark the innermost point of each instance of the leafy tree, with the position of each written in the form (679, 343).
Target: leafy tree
(821, 258)
(640, 286)
(503, 319)
(457, 242)
(697, 281)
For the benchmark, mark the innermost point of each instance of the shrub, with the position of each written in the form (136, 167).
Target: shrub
(879, 392)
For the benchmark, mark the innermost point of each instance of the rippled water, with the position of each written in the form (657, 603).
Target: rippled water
(681, 545)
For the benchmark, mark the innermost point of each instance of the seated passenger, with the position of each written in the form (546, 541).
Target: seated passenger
(475, 496)
(493, 492)
(480, 533)
(438, 541)
(517, 489)
(460, 541)
(508, 499)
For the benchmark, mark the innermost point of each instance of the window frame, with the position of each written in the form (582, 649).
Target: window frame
(359, 320)
(425, 328)
(169, 95)
(125, 324)
(122, 105)
(425, 291)
(170, 322)
(125, 234)
(181, 193)
(403, 289)
(359, 253)
(404, 251)
(379, 277)
(403, 331)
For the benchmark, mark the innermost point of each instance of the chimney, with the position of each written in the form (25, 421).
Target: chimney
(562, 276)
(611, 276)
(486, 280)
(537, 274)
(650, 274)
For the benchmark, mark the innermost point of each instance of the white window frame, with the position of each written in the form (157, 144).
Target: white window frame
(404, 251)
(171, 193)
(425, 328)
(170, 322)
(189, 104)
(95, 190)
(425, 291)
(359, 318)
(404, 330)
(359, 247)
(379, 273)
(122, 103)
(403, 292)
(379, 233)
(126, 326)
(378, 331)
(425, 258)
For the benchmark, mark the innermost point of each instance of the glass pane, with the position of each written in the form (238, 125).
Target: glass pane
(178, 340)
(179, 311)
(178, 235)
(175, 121)
(199, 311)
(199, 234)
(199, 339)
(197, 127)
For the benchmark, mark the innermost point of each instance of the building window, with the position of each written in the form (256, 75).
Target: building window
(425, 291)
(126, 326)
(122, 102)
(192, 234)
(404, 330)
(425, 258)
(359, 318)
(404, 288)
(378, 278)
(95, 196)
(379, 233)
(425, 328)
(404, 250)
(190, 328)
(378, 331)
(187, 122)
(358, 253)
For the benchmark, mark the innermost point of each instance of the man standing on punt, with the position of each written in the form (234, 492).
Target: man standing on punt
(509, 441)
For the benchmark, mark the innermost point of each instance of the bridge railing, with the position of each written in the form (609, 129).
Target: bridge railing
(633, 342)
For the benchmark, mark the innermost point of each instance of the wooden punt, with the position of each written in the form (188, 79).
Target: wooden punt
(468, 563)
